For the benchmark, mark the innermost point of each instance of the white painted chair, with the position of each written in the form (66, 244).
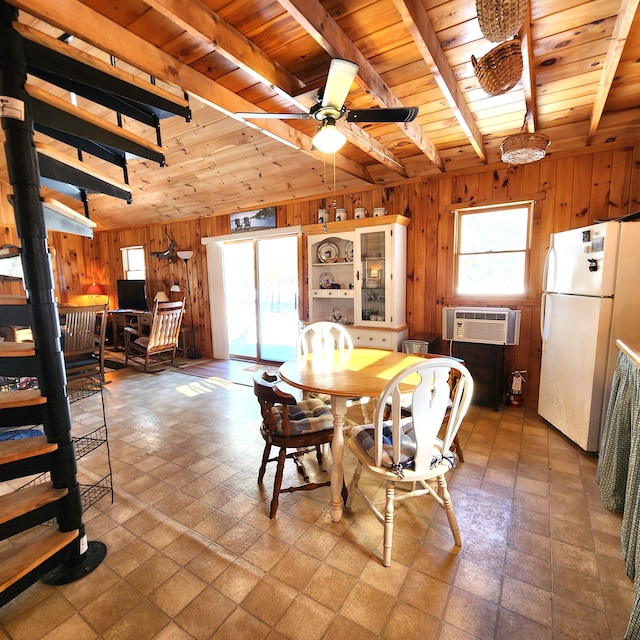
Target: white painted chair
(406, 450)
(322, 339)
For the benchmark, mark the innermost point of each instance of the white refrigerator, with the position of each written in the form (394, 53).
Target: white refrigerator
(590, 299)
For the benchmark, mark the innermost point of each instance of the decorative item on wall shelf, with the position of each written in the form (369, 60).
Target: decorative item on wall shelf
(359, 212)
(500, 20)
(323, 216)
(379, 211)
(499, 70)
(254, 220)
(326, 280)
(341, 214)
(328, 252)
(524, 147)
(348, 252)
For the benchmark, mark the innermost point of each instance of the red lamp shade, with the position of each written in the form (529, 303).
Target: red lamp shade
(94, 290)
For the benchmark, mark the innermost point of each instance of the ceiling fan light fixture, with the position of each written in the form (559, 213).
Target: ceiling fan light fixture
(328, 139)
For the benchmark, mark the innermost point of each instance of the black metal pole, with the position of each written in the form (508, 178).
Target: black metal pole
(24, 175)
(193, 354)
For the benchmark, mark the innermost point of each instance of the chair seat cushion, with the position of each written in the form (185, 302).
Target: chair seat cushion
(365, 436)
(142, 342)
(307, 416)
(85, 361)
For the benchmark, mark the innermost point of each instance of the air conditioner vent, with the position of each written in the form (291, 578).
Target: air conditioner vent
(488, 325)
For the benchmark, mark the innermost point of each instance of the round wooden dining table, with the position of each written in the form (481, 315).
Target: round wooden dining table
(344, 374)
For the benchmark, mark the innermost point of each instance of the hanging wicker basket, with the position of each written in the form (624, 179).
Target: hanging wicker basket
(500, 69)
(524, 148)
(501, 19)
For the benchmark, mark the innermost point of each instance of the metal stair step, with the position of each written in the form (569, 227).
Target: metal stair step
(13, 505)
(15, 563)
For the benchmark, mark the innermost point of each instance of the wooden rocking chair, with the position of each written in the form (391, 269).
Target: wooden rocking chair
(159, 347)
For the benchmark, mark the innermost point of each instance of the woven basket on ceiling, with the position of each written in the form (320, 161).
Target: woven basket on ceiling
(500, 19)
(500, 69)
(523, 148)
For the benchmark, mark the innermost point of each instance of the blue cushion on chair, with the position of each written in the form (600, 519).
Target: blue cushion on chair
(307, 416)
(365, 435)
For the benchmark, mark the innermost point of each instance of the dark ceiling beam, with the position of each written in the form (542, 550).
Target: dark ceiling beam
(88, 25)
(63, 121)
(68, 67)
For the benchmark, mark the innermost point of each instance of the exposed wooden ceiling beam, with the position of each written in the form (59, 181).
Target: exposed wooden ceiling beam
(415, 18)
(319, 24)
(528, 79)
(88, 25)
(202, 23)
(626, 14)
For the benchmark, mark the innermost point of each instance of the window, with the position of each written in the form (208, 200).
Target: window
(492, 250)
(133, 263)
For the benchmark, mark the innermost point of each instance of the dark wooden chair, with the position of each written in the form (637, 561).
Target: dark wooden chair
(300, 426)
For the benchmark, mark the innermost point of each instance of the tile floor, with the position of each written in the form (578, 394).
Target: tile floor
(192, 552)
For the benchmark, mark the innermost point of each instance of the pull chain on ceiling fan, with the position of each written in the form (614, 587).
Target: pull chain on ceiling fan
(330, 108)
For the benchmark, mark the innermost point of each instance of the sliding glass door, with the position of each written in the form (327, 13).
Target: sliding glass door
(261, 292)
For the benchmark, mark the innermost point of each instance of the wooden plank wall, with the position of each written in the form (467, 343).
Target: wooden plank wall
(570, 191)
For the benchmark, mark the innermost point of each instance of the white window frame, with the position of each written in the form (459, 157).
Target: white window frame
(131, 257)
(526, 249)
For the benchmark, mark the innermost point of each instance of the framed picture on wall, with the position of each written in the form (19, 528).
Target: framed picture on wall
(255, 220)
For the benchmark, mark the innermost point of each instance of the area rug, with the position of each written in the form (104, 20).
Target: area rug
(114, 365)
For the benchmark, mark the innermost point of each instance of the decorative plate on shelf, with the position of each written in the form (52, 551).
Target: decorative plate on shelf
(326, 280)
(348, 252)
(327, 252)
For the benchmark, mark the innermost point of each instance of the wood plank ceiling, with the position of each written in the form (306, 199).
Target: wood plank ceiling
(580, 86)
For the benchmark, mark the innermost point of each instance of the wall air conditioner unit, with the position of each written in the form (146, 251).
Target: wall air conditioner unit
(488, 325)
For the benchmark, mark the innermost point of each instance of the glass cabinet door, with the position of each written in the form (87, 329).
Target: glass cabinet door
(372, 275)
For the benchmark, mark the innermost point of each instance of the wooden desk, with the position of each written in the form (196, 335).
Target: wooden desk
(123, 317)
(342, 375)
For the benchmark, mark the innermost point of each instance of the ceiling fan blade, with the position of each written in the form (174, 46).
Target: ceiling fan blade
(403, 114)
(341, 75)
(273, 116)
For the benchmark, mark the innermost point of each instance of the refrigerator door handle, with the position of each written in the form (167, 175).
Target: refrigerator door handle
(543, 313)
(545, 270)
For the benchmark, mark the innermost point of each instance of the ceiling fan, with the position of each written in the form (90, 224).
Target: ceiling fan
(330, 108)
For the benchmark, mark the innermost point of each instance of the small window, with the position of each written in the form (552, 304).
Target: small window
(492, 250)
(133, 263)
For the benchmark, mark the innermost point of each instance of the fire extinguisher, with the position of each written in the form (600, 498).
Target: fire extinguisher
(515, 383)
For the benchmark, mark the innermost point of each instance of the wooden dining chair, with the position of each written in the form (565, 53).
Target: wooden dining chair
(159, 347)
(84, 329)
(295, 427)
(406, 450)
